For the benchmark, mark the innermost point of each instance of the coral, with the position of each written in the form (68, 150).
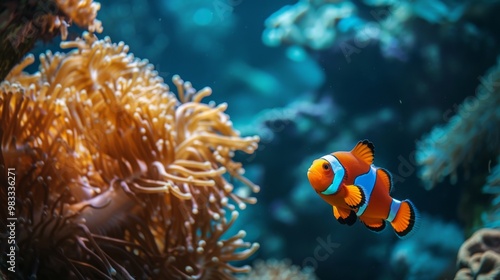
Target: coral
(392, 23)
(278, 270)
(24, 22)
(474, 129)
(469, 138)
(479, 256)
(311, 23)
(115, 176)
(301, 114)
(353, 25)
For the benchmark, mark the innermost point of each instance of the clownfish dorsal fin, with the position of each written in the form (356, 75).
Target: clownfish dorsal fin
(364, 151)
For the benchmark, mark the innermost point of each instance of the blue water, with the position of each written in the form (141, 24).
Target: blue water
(388, 71)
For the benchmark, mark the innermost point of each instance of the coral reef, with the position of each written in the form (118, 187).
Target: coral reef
(115, 176)
(24, 22)
(479, 256)
(278, 270)
(441, 152)
(353, 25)
(309, 23)
(470, 138)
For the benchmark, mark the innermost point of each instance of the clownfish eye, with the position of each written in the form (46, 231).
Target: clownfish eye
(326, 166)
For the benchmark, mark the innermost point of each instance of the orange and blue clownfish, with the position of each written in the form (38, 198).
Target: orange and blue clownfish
(356, 188)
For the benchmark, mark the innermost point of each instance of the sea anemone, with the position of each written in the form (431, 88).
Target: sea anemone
(116, 176)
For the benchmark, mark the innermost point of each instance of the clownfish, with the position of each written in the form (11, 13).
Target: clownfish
(356, 188)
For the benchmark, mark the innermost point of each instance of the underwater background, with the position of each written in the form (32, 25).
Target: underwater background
(420, 79)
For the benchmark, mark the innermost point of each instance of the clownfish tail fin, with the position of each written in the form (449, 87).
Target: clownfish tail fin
(355, 196)
(403, 218)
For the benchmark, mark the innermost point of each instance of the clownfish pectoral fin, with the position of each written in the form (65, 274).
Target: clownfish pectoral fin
(355, 196)
(386, 178)
(406, 219)
(376, 225)
(364, 151)
(344, 216)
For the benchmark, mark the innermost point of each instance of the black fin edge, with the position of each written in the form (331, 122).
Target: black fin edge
(370, 145)
(350, 220)
(411, 225)
(377, 229)
(363, 198)
(388, 175)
